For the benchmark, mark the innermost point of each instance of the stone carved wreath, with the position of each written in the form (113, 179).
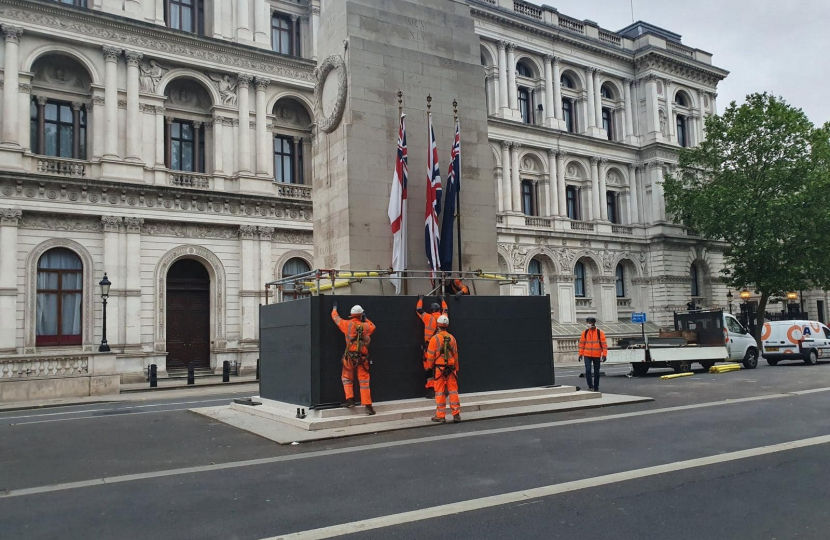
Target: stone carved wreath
(333, 63)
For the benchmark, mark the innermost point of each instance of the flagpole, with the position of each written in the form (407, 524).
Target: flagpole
(402, 275)
(458, 190)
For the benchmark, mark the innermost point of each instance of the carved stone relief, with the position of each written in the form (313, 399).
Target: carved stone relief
(150, 75)
(330, 93)
(60, 72)
(188, 94)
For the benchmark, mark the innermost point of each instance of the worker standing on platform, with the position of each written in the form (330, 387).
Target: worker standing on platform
(442, 355)
(430, 321)
(458, 287)
(593, 349)
(358, 331)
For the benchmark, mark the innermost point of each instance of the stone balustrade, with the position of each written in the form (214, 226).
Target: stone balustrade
(620, 229)
(537, 222)
(190, 180)
(73, 168)
(571, 24)
(680, 49)
(582, 226)
(55, 366)
(623, 302)
(608, 37)
(527, 9)
(583, 302)
(294, 191)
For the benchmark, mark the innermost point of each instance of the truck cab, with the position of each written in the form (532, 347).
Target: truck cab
(739, 342)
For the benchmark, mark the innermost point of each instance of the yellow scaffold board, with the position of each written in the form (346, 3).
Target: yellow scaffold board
(676, 375)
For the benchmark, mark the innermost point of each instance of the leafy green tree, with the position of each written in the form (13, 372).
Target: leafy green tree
(761, 182)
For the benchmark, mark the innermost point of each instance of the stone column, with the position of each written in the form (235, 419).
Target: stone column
(499, 189)
(11, 85)
(76, 128)
(669, 111)
(8, 277)
(512, 90)
(592, 108)
(652, 107)
(629, 109)
(243, 24)
(134, 139)
(598, 97)
(714, 97)
(262, 22)
(114, 266)
(560, 183)
(503, 103)
(250, 281)
(603, 189)
(266, 265)
(133, 283)
(596, 206)
(262, 153)
(557, 89)
(553, 186)
(657, 200)
(160, 143)
(550, 109)
(295, 163)
(315, 28)
(96, 112)
(244, 123)
(702, 129)
(218, 144)
(507, 177)
(516, 180)
(217, 20)
(633, 197)
(111, 55)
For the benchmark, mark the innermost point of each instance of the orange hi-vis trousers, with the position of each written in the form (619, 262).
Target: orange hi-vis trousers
(347, 377)
(446, 386)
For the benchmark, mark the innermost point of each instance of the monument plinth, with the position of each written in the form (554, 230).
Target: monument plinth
(370, 50)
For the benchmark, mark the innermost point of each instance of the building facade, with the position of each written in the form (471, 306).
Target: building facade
(169, 144)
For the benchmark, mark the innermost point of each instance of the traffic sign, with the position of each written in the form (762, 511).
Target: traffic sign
(638, 317)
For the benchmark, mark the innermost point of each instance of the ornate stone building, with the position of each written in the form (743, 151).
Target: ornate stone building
(169, 144)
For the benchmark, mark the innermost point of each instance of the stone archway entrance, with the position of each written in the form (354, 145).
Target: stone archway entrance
(188, 317)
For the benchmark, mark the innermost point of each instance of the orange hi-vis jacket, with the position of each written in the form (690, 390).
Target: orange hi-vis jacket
(592, 344)
(350, 331)
(430, 320)
(438, 355)
(458, 286)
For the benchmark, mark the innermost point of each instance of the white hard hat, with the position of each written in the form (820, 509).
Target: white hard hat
(443, 320)
(357, 310)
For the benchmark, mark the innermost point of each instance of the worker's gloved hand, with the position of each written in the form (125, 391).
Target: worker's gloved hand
(442, 298)
(334, 306)
(458, 294)
(604, 359)
(421, 297)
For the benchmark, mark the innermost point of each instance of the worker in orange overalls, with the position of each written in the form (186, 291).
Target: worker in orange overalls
(442, 355)
(458, 287)
(358, 331)
(593, 349)
(430, 328)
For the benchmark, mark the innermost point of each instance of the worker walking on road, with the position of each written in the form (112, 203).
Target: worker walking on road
(430, 321)
(442, 355)
(358, 331)
(593, 349)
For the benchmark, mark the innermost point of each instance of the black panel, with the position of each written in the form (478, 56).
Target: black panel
(504, 343)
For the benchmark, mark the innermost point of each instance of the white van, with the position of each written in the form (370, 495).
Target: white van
(795, 340)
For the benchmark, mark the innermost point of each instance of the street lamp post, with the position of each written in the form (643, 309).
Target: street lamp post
(729, 297)
(791, 298)
(105, 292)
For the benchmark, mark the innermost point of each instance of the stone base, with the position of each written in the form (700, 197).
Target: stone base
(62, 387)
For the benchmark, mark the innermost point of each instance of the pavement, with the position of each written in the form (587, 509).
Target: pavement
(716, 456)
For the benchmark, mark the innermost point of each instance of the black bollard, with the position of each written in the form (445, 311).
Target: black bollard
(257, 369)
(191, 377)
(154, 378)
(226, 371)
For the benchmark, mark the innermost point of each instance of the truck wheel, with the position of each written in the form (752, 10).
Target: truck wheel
(812, 358)
(707, 365)
(682, 366)
(751, 359)
(772, 362)
(639, 369)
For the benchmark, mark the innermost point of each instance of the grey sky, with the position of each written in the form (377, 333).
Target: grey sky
(775, 46)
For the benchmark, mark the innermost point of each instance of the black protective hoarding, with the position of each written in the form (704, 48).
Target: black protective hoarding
(504, 343)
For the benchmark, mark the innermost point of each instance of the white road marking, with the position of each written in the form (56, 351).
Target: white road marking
(375, 446)
(545, 491)
(116, 409)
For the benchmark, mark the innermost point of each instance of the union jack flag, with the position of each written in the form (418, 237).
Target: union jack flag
(397, 209)
(453, 191)
(432, 234)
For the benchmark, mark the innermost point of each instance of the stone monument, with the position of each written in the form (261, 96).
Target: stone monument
(369, 50)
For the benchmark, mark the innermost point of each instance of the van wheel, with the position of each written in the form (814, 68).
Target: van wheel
(682, 367)
(772, 362)
(812, 358)
(639, 369)
(706, 365)
(751, 359)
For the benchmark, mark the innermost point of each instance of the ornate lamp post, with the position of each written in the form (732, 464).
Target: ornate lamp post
(729, 297)
(791, 303)
(105, 292)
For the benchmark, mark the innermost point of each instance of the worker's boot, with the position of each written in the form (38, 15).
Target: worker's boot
(456, 418)
(370, 410)
(350, 403)
(438, 420)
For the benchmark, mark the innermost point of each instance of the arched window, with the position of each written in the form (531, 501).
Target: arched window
(680, 99)
(288, 160)
(293, 267)
(608, 122)
(579, 281)
(58, 128)
(186, 15)
(537, 288)
(528, 198)
(523, 70)
(567, 82)
(187, 146)
(572, 202)
(281, 41)
(620, 281)
(695, 281)
(59, 298)
(568, 113)
(525, 106)
(605, 92)
(682, 139)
